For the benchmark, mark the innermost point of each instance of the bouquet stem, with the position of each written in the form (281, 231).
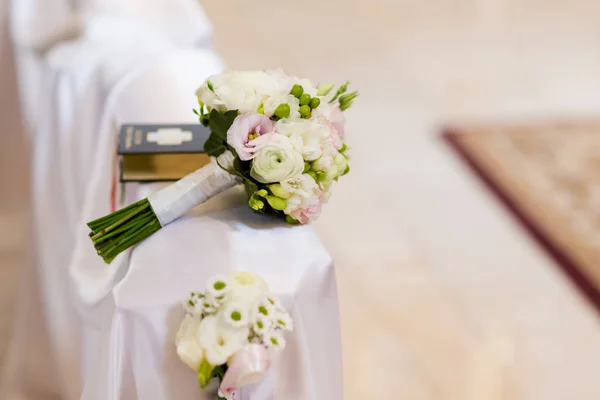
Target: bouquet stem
(114, 233)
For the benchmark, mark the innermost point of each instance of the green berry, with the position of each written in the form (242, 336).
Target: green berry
(282, 111)
(305, 99)
(304, 111)
(297, 91)
(314, 102)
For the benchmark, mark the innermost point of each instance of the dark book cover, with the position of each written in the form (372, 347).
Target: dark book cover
(161, 152)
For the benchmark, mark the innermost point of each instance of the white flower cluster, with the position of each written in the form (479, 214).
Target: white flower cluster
(290, 134)
(232, 312)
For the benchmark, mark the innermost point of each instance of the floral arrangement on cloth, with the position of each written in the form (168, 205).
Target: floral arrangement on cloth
(229, 331)
(281, 136)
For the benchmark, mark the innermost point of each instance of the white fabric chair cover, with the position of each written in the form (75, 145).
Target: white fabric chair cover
(78, 77)
(39, 25)
(139, 294)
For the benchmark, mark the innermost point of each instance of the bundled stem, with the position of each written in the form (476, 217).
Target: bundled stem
(114, 233)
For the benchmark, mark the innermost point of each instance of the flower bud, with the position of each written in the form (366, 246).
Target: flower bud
(314, 102)
(323, 90)
(277, 203)
(282, 111)
(304, 111)
(279, 191)
(305, 99)
(297, 91)
(255, 204)
(346, 100)
(291, 220)
(204, 373)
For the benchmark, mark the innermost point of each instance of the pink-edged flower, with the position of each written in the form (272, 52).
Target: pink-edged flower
(306, 215)
(334, 118)
(311, 211)
(249, 133)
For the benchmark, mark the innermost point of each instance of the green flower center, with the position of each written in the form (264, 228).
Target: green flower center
(236, 316)
(274, 341)
(219, 285)
(280, 322)
(263, 310)
(260, 324)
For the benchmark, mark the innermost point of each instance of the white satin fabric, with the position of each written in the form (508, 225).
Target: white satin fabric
(136, 358)
(38, 26)
(133, 304)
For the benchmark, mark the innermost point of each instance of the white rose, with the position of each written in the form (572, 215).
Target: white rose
(219, 340)
(307, 135)
(186, 341)
(277, 160)
(244, 91)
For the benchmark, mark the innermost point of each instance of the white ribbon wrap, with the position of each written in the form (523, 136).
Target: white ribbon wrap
(175, 200)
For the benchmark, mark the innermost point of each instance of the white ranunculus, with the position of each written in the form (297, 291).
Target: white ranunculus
(247, 290)
(244, 91)
(307, 135)
(186, 341)
(277, 160)
(219, 340)
(248, 285)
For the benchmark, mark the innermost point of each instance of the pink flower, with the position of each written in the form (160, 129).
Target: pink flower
(306, 215)
(334, 118)
(249, 133)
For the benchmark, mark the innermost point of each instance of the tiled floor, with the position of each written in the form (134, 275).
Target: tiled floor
(442, 294)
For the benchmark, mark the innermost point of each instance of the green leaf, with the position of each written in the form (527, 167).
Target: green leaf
(251, 187)
(214, 146)
(219, 123)
(195, 112)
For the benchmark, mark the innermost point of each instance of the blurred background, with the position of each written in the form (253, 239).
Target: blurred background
(443, 294)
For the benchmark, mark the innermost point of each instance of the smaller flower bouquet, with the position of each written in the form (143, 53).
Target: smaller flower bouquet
(229, 330)
(279, 136)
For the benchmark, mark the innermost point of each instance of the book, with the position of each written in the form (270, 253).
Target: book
(161, 152)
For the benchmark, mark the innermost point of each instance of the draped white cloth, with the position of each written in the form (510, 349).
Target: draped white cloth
(138, 296)
(107, 331)
(65, 91)
(37, 26)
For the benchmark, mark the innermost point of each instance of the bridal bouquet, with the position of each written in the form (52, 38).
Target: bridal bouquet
(280, 136)
(229, 330)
